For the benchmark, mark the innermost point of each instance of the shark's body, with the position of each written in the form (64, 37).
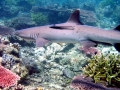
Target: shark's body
(73, 31)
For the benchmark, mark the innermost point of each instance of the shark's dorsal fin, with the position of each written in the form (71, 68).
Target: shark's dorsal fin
(117, 28)
(117, 46)
(75, 17)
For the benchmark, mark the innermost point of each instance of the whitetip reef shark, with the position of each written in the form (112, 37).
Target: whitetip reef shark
(72, 31)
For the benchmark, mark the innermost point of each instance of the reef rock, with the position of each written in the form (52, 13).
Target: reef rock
(20, 23)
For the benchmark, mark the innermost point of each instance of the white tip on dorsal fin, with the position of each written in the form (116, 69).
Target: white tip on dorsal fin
(75, 17)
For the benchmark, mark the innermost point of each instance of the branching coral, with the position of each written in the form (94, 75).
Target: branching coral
(104, 69)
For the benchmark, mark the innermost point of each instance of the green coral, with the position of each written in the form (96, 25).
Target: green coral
(39, 18)
(104, 69)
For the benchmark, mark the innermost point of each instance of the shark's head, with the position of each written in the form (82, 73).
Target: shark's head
(24, 35)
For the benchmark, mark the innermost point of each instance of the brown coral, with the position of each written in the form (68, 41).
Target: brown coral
(19, 87)
(82, 83)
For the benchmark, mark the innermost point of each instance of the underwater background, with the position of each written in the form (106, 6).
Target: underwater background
(57, 66)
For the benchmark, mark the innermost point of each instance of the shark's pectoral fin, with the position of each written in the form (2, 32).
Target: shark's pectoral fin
(117, 46)
(89, 44)
(62, 27)
(40, 42)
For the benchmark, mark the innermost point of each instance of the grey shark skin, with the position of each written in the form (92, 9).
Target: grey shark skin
(73, 31)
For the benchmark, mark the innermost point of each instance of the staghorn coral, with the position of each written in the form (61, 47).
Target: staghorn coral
(7, 78)
(104, 69)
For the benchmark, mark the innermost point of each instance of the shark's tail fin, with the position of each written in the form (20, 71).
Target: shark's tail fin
(117, 28)
(6, 30)
(117, 45)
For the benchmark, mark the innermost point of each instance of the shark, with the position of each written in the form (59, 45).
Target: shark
(72, 31)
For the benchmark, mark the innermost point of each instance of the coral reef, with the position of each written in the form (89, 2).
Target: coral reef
(108, 9)
(82, 83)
(22, 42)
(89, 5)
(10, 58)
(56, 65)
(90, 51)
(23, 4)
(53, 66)
(104, 69)
(39, 18)
(18, 87)
(39, 88)
(6, 30)
(8, 11)
(71, 4)
(87, 17)
(20, 23)
(7, 78)
(85, 83)
(7, 60)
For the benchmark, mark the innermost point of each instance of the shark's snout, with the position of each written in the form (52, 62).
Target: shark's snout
(17, 33)
(25, 36)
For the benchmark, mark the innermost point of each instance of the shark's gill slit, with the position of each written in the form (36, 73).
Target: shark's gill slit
(31, 36)
(35, 35)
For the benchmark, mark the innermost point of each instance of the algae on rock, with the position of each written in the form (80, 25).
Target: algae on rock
(39, 18)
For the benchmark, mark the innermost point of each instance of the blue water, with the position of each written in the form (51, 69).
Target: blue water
(106, 11)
